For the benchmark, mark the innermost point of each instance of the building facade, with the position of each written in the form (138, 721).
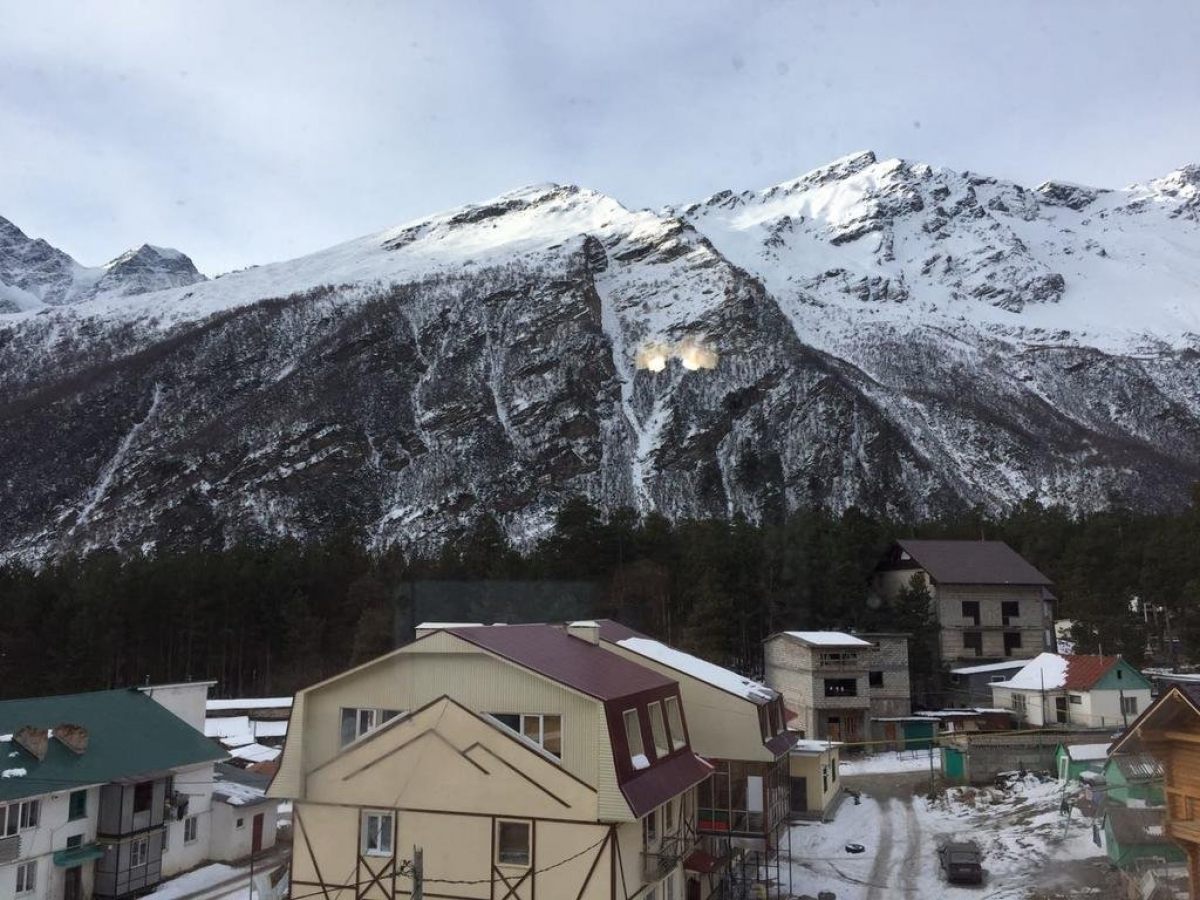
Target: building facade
(740, 726)
(515, 761)
(990, 603)
(824, 677)
(102, 794)
(1080, 691)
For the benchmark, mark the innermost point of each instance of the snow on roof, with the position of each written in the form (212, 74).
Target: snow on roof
(828, 638)
(228, 726)
(237, 740)
(13, 773)
(1046, 671)
(1087, 752)
(438, 626)
(989, 667)
(701, 669)
(255, 753)
(814, 746)
(270, 728)
(234, 794)
(249, 703)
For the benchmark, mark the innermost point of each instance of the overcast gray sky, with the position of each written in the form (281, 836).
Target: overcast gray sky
(244, 132)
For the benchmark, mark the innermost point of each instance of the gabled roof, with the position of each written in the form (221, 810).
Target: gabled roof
(572, 661)
(972, 562)
(130, 736)
(1180, 706)
(1086, 752)
(1136, 766)
(1055, 672)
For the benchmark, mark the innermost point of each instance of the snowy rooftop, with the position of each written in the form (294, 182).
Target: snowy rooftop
(700, 669)
(1087, 752)
(249, 703)
(804, 747)
(988, 667)
(255, 753)
(1046, 671)
(828, 638)
(237, 794)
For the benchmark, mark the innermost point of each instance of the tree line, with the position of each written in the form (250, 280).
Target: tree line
(268, 617)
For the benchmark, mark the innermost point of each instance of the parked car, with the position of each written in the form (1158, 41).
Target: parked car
(962, 862)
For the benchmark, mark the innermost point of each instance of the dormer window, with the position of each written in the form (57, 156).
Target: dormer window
(675, 722)
(633, 736)
(658, 730)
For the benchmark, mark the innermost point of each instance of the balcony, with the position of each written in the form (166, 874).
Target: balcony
(661, 859)
(10, 849)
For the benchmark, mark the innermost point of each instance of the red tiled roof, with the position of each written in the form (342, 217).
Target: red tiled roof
(972, 562)
(1084, 671)
(568, 660)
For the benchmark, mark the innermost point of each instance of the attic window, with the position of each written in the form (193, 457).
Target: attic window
(658, 730)
(633, 736)
(675, 721)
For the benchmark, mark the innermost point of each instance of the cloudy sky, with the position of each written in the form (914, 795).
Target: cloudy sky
(248, 132)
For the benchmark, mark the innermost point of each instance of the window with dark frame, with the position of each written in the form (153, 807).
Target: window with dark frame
(1010, 611)
(77, 806)
(841, 687)
(512, 843)
(875, 679)
(970, 610)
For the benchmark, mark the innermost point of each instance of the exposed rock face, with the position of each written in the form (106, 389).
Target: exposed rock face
(33, 273)
(888, 335)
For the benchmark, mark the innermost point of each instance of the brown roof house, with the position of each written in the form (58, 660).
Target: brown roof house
(739, 725)
(1083, 691)
(991, 604)
(519, 761)
(1169, 730)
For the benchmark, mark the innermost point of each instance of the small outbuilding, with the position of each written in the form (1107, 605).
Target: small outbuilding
(816, 785)
(244, 819)
(1072, 760)
(1132, 835)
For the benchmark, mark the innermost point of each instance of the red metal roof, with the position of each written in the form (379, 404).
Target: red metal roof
(667, 778)
(1084, 671)
(701, 862)
(568, 660)
(972, 562)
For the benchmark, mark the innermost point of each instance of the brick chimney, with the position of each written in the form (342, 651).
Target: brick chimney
(33, 741)
(74, 737)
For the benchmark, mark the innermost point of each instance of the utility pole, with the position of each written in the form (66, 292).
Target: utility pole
(250, 891)
(418, 874)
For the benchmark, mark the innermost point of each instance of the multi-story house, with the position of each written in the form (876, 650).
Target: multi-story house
(102, 794)
(519, 761)
(1169, 730)
(740, 727)
(1083, 691)
(824, 677)
(990, 603)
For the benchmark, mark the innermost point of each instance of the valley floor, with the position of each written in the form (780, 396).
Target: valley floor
(1029, 852)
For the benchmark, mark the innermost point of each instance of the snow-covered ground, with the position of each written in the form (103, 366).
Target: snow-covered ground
(1019, 830)
(891, 761)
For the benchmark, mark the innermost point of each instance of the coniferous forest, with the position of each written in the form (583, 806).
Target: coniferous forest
(266, 618)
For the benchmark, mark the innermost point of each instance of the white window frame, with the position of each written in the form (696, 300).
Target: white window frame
(139, 852)
(528, 826)
(1131, 702)
(385, 816)
(19, 816)
(671, 704)
(651, 833)
(658, 730)
(635, 731)
(540, 740)
(372, 716)
(192, 824)
(26, 880)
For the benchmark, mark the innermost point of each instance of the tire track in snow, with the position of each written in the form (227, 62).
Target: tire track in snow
(878, 879)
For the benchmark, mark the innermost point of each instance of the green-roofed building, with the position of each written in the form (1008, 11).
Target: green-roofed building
(92, 788)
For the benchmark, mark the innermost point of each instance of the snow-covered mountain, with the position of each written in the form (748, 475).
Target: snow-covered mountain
(880, 334)
(34, 274)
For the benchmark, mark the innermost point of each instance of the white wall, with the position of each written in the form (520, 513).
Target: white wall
(197, 783)
(229, 841)
(1103, 708)
(185, 700)
(51, 834)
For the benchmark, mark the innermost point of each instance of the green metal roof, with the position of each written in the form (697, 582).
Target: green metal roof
(129, 735)
(74, 856)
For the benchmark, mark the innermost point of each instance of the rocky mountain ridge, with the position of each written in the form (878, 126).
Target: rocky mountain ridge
(876, 333)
